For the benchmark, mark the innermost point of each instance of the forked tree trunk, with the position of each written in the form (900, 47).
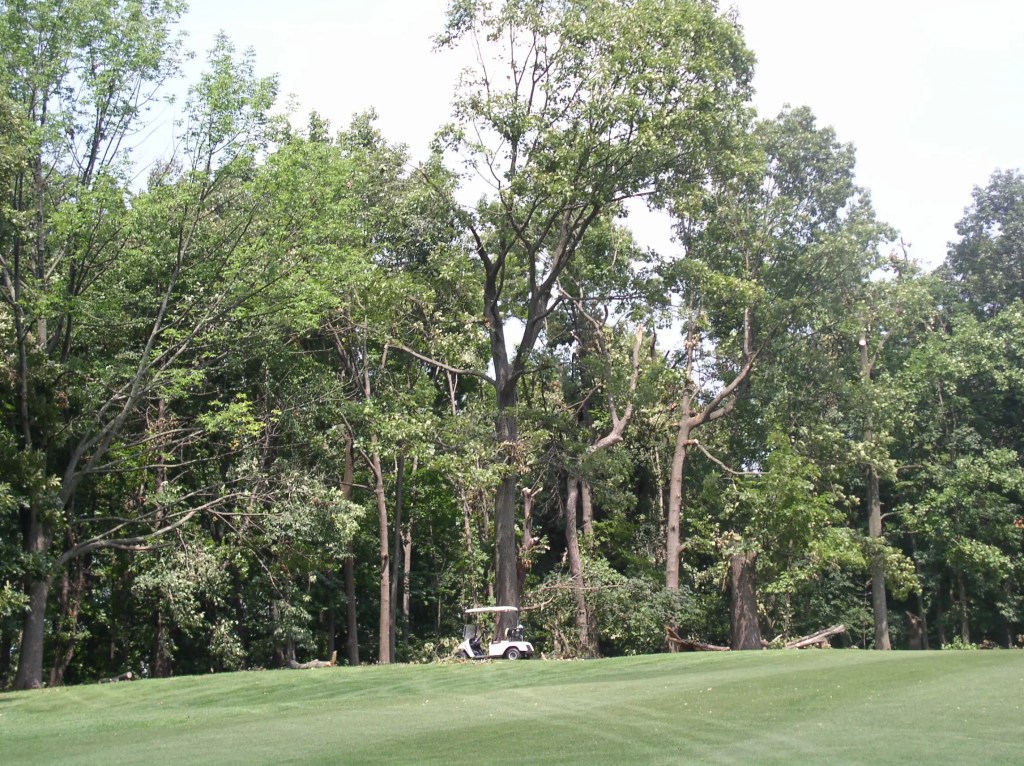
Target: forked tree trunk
(524, 561)
(587, 642)
(692, 417)
(743, 623)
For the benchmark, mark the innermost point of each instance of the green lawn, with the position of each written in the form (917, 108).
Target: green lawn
(839, 706)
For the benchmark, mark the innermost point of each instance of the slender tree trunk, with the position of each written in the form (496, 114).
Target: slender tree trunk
(940, 615)
(351, 617)
(332, 630)
(961, 595)
(406, 569)
(384, 623)
(879, 607)
(71, 590)
(673, 550)
(662, 513)
(743, 623)
(587, 644)
(161, 667)
(922, 610)
(349, 565)
(396, 554)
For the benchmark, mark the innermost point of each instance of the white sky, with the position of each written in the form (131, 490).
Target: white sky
(930, 93)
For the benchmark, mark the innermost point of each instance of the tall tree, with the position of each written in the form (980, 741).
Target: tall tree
(768, 249)
(78, 76)
(586, 104)
(86, 261)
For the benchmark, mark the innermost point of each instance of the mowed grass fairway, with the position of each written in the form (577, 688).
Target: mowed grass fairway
(783, 707)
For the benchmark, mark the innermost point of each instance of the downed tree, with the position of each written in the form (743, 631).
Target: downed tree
(689, 645)
(314, 663)
(819, 639)
(126, 676)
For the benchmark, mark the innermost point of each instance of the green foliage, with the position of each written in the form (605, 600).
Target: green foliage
(986, 267)
(631, 613)
(185, 366)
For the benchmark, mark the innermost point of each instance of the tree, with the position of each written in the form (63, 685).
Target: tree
(768, 246)
(987, 264)
(77, 77)
(89, 261)
(600, 102)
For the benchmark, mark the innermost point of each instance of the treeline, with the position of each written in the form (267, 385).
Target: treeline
(289, 394)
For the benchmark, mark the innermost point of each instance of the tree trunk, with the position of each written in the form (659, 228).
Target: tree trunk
(879, 606)
(37, 588)
(940, 615)
(71, 591)
(743, 623)
(6, 652)
(961, 597)
(349, 565)
(384, 623)
(505, 552)
(351, 617)
(673, 550)
(406, 569)
(922, 610)
(396, 555)
(524, 561)
(332, 629)
(587, 645)
(587, 504)
(161, 667)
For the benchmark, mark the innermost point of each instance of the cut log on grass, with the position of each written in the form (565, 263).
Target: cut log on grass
(820, 639)
(689, 645)
(126, 676)
(314, 663)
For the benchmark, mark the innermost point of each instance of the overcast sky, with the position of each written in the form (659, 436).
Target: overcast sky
(930, 93)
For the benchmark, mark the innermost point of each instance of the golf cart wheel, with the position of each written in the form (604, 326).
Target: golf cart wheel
(461, 655)
(512, 653)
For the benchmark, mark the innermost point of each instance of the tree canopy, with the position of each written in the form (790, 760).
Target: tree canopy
(294, 391)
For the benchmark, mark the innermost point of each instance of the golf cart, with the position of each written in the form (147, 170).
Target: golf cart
(511, 646)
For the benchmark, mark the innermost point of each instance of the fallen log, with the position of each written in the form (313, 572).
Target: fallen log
(820, 639)
(689, 645)
(126, 676)
(314, 663)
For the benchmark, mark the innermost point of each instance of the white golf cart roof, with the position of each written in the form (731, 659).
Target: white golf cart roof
(491, 609)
